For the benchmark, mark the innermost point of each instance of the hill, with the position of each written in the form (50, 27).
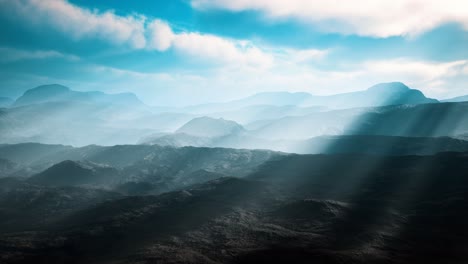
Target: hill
(210, 127)
(57, 93)
(300, 208)
(76, 173)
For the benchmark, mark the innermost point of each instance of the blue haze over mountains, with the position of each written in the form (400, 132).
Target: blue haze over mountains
(357, 172)
(233, 132)
(275, 120)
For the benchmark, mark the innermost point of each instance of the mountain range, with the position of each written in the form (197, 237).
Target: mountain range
(457, 99)
(267, 120)
(321, 208)
(394, 93)
(377, 176)
(60, 93)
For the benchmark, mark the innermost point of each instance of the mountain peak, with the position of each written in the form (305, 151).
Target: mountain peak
(57, 92)
(48, 89)
(394, 93)
(211, 127)
(389, 87)
(45, 93)
(69, 173)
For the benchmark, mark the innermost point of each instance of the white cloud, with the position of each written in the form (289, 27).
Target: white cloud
(420, 70)
(380, 18)
(213, 48)
(160, 35)
(245, 68)
(137, 31)
(80, 22)
(9, 54)
(207, 47)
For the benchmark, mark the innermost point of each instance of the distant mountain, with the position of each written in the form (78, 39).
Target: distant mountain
(463, 98)
(253, 113)
(7, 167)
(203, 132)
(164, 168)
(76, 173)
(56, 114)
(396, 129)
(57, 93)
(177, 140)
(425, 120)
(383, 94)
(393, 93)
(274, 98)
(6, 102)
(43, 114)
(381, 145)
(260, 99)
(210, 127)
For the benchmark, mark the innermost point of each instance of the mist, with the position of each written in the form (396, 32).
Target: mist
(213, 131)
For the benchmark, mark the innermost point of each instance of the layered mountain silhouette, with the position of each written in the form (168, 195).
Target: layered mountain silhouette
(76, 173)
(388, 183)
(120, 167)
(210, 127)
(57, 93)
(394, 93)
(301, 208)
(56, 114)
(463, 98)
(420, 127)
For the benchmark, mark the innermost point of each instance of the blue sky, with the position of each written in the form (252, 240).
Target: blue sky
(183, 52)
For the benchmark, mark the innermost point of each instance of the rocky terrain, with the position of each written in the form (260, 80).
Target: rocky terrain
(295, 209)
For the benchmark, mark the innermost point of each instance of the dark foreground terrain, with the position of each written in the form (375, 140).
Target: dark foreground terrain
(278, 208)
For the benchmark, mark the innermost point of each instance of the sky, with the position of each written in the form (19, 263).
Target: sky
(183, 52)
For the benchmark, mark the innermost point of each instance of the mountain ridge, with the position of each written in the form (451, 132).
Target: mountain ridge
(57, 92)
(210, 127)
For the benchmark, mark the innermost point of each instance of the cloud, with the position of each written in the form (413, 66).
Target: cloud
(9, 55)
(207, 47)
(80, 22)
(210, 47)
(160, 35)
(421, 70)
(137, 31)
(379, 18)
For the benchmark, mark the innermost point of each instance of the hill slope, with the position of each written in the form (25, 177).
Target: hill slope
(210, 127)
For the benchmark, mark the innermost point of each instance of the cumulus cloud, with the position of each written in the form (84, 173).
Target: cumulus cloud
(160, 35)
(207, 47)
(80, 22)
(224, 51)
(248, 68)
(379, 18)
(138, 32)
